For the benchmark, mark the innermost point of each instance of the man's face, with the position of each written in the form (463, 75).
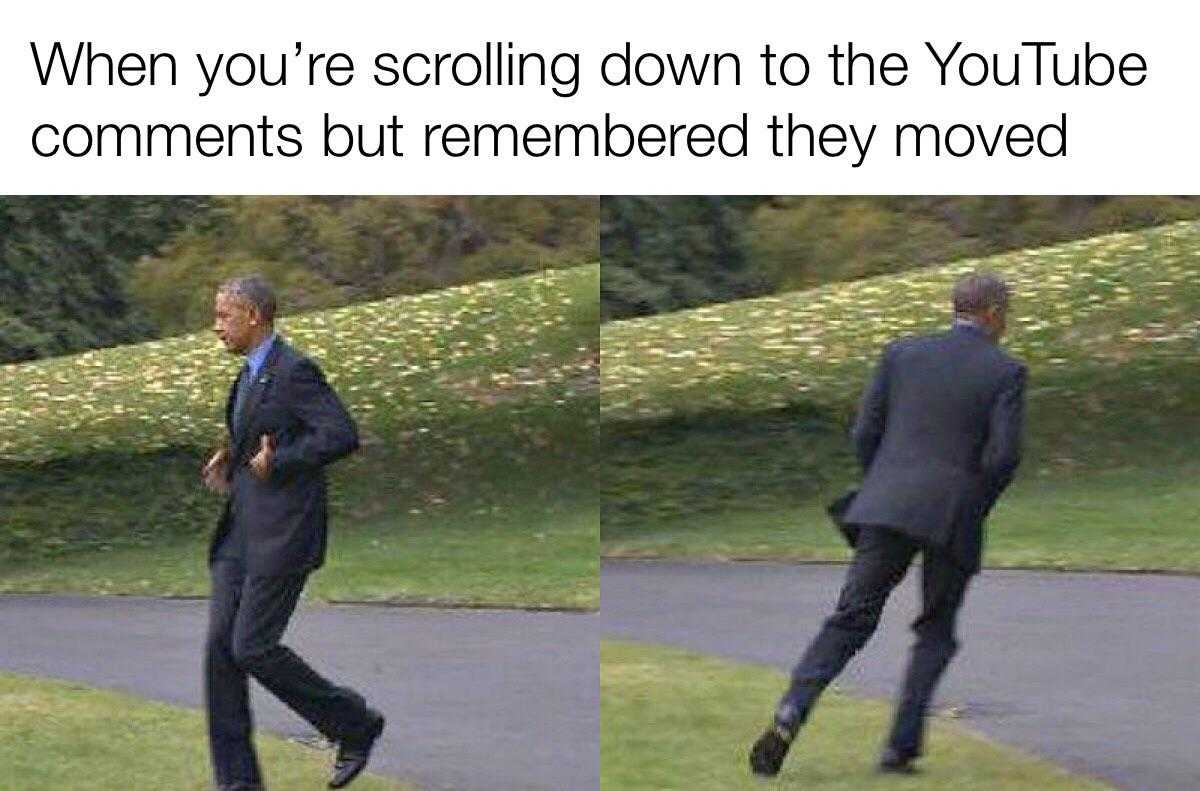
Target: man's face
(235, 322)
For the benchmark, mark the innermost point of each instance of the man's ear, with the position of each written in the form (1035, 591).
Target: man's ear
(996, 320)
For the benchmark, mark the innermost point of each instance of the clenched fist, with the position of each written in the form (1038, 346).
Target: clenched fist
(215, 474)
(260, 465)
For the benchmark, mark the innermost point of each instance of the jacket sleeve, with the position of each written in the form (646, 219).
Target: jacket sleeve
(1002, 452)
(327, 432)
(872, 414)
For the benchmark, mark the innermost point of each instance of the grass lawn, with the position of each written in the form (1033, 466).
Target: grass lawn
(1129, 520)
(725, 427)
(56, 735)
(671, 719)
(526, 555)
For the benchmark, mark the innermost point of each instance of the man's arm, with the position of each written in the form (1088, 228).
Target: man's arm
(327, 431)
(1002, 453)
(872, 414)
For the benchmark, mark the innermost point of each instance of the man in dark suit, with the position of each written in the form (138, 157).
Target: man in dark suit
(938, 436)
(285, 424)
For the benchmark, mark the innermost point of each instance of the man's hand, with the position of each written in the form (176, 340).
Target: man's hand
(215, 473)
(260, 465)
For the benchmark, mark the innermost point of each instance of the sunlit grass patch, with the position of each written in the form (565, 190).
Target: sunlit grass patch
(400, 365)
(1102, 302)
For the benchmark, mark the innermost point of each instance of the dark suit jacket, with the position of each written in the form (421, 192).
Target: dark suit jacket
(939, 438)
(284, 518)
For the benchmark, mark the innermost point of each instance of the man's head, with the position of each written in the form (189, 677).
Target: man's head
(244, 313)
(983, 298)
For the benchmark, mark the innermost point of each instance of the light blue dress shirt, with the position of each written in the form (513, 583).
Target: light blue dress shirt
(258, 356)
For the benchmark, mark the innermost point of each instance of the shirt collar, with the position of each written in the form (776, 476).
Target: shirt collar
(969, 325)
(258, 356)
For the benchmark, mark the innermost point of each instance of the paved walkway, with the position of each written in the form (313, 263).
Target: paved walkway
(475, 699)
(1097, 672)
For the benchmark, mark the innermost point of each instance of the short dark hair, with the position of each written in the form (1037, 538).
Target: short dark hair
(975, 293)
(255, 291)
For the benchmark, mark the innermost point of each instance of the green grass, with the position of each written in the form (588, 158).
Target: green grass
(472, 402)
(725, 427)
(1131, 521)
(671, 719)
(56, 735)
(521, 555)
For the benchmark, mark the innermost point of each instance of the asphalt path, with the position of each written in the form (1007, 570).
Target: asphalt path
(474, 699)
(1097, 672)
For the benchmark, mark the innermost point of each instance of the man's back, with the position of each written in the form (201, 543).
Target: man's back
(938, 436)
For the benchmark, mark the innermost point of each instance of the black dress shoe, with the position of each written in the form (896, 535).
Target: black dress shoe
(352, 756)
(892, 761)
(766, 756)
(241, 787)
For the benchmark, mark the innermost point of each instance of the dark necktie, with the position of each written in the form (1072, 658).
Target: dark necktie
(239, 400)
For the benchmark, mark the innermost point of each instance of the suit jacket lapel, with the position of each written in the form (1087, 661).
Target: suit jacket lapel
(257, 387)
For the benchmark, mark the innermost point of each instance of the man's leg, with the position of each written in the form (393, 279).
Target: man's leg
(227, 694)
(943, 585)
(267, 604)
(881, 558)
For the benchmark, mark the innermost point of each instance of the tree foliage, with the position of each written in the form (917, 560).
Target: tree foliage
(85, 272)
(322, 252)
(64, 263)
(662, 254)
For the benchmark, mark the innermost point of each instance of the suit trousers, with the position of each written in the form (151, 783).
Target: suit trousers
(247, 617)
(881, 559)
